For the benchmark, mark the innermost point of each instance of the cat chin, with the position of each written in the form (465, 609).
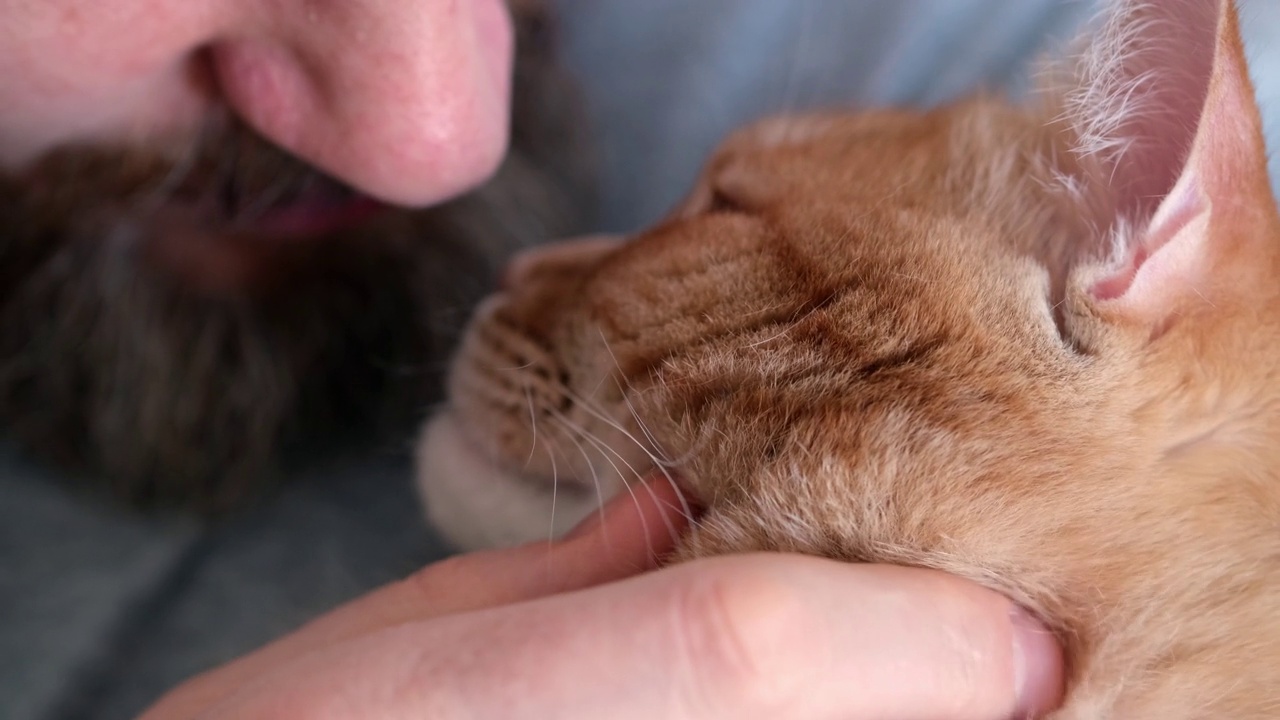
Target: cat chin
(475, 505)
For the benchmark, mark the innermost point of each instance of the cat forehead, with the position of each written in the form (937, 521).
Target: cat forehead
(878, 156)
(871, 292)
(883, 212)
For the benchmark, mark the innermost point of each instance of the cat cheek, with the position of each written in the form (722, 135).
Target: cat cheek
(717, 533)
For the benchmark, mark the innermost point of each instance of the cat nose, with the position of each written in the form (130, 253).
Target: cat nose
(407, 101)
(557, 256)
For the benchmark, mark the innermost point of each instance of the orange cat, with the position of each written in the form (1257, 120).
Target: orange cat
(1037, 347)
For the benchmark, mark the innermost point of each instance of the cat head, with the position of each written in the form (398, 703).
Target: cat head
(853, 309)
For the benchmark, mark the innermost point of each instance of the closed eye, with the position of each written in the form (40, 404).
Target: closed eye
(723, 203)
(712, 199)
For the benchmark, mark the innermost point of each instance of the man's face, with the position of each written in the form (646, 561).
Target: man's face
(198, 256)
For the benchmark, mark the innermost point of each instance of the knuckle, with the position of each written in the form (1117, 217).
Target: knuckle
(740, 635)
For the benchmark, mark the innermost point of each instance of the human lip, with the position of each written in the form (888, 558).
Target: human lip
(315, 214)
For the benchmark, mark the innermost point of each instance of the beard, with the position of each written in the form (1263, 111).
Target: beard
(158, 343)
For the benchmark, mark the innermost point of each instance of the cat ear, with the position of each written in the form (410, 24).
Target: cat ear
(1164, 115)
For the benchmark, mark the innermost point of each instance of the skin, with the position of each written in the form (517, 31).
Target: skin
(578, 628)
(414, 111)
(439, 71)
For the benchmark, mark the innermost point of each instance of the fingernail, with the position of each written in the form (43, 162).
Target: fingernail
(1037, 666)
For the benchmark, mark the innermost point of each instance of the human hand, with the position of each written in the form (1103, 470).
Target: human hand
(578, 629)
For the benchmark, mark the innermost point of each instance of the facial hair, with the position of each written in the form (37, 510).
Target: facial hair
(132, 374)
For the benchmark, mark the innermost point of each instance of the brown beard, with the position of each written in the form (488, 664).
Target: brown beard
(120, 369)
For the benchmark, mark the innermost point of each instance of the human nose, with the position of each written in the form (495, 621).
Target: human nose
(406, 100)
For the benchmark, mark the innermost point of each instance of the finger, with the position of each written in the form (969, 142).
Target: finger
(732, 638)
(630, 535)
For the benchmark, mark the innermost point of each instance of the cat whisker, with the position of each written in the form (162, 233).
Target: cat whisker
(533, 425)
(555, 487)
(597, 442)
(770, 339)
(533, 447)
(661, 464)
(606, 448)
(624, 390)
(767, 309)
(604, 417)
(552, 447)
(685, 509)
(790, 323)
(595, 476)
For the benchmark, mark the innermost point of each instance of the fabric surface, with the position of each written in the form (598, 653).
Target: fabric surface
(101, 611)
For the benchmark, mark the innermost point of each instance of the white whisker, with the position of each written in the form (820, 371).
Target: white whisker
(595, 476)
(606, 448)
(555, 487)
(600, 445)
(533, 425)
(624, 390)
(656, 455)
(533, 447)
(660, 464)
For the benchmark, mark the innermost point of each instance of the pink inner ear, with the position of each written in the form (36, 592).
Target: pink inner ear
(1184, 205)
(1112, 287)
(1143, 87)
